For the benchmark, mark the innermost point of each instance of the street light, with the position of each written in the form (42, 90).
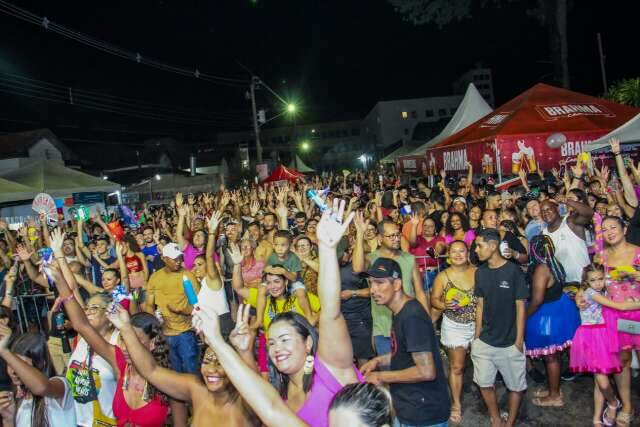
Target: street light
(158, 177)
(292, 108)
(305, 146)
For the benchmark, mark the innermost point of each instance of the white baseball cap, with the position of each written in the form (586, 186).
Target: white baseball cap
(171, 250)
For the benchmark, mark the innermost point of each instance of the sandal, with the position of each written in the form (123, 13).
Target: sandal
(550, 403)
(541, 392)
(455, 417)
(605, 418)
(623, 419)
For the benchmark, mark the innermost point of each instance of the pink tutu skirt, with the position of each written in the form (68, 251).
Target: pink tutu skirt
(591, 351)
(618, 340)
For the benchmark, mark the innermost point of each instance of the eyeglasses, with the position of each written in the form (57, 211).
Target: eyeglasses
(93, 308)
(392, 236)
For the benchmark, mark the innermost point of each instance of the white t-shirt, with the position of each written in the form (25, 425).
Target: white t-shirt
(212, 301)
(106, 383)
(60, 412)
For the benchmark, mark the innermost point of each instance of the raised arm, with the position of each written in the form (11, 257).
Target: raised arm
(182, 213)
(334, 346)
(256, 391)
(33, 379)
(236, 279)
(81, 324)
(358, 258)
(627, 185)
(583, 212)
(213, 274)
(178, 386)
(9, 281)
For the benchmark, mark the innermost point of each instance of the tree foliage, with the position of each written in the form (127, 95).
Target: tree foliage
(625, 92)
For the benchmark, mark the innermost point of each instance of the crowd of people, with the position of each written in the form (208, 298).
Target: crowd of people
(338, 300)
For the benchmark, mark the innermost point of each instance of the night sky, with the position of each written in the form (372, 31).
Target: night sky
(336, 58)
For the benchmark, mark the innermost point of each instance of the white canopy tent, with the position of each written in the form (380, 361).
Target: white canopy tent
(57, 180)
(627, 133)
(12, 191)
(299, 165)
(472, 108)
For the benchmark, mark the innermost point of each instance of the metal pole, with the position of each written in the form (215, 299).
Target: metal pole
(604, 73)
(498, 163)
(256, 128)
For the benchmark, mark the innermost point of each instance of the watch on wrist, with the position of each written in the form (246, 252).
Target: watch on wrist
(354, 294)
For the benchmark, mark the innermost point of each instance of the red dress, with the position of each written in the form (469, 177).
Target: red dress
(153, 414)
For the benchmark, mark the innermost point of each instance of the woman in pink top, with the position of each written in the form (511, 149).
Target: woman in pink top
(457, 228)
(251, 268)
(309, 369)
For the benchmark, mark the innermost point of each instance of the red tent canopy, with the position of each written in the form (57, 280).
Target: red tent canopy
(282, 173)
(520, 131)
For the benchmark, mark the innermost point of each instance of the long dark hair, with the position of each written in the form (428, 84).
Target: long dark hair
(148, 324)
(464, 222)
(131, 243)
(34, 346)
(372, 403)
(289, 298)
(302, 326)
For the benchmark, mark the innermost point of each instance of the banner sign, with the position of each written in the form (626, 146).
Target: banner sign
(88, 198)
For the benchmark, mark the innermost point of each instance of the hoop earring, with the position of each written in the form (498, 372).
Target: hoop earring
(308, 365)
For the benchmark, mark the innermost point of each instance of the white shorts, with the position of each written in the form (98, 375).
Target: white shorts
(454, 334)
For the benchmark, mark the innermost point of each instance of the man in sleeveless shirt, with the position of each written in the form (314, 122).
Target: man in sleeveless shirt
(568, 235)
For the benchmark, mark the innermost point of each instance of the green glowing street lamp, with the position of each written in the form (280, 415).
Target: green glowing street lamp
(305, 146)
(291, 108)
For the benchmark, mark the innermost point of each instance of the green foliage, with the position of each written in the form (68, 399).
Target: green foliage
(440, 12)
(625, 92)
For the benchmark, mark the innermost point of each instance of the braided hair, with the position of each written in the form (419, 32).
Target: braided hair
(542, 251)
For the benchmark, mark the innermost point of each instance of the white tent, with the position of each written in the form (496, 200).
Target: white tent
(12, 191)
(57, 180)
(472, 108)
(299, 165)
(628, 132)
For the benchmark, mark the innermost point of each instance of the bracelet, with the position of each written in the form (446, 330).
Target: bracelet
(67, 298)
(616, 154)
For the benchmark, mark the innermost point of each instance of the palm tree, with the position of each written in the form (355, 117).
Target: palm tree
(625, 92)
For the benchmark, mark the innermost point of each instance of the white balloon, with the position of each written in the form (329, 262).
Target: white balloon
(556, 140)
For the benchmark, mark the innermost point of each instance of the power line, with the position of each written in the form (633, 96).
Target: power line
(56, 98)
(43, 21)
(65, 91)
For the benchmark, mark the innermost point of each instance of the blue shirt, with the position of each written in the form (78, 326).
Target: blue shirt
(150, 250)
(533, 229)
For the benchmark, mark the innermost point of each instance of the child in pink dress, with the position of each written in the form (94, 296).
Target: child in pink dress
(591, 350)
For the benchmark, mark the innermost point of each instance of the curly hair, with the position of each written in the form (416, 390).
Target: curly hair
(464, 222)
(152, 329)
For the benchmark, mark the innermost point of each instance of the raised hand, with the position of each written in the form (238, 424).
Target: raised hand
(191, 200)
(23, 253)
(179, 200)
(214, 222)
(57, 239)
(331, 226)
(415, 219)
(182, 210)
(360, 222)
(254, 207)
(118, 316)
(236, 255)
(242, 336)
(208, 324)
(615, 145)
(5, 337)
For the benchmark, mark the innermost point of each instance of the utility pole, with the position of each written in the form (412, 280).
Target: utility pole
(604, 74)
(256, 128)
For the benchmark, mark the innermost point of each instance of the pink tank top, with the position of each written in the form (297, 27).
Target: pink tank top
(190, 253)
(315, 411)
(624, 290)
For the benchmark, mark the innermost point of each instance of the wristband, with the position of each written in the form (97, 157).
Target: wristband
(617, 154)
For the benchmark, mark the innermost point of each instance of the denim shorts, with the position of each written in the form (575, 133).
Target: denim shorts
(382, 344)
(184, 355)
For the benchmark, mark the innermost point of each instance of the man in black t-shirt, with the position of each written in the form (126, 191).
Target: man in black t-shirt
(500, 321)
(515, 251)
(356, 309)
(417, 383)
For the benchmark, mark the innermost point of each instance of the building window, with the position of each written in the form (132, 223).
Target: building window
(405, 115)
(414, 115)
(442, 112)
(406, 131)
(428, 113)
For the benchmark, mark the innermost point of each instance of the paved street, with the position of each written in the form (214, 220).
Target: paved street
(576, 412)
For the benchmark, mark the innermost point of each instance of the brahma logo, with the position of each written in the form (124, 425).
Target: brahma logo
(495, 120)
(557, 111)
(455, 160)
(409, 164)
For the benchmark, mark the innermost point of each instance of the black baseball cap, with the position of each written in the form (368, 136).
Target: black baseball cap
(383, 268)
